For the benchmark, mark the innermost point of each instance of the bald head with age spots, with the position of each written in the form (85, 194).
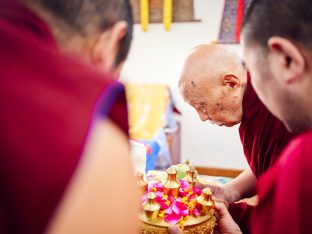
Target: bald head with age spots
(213, 81)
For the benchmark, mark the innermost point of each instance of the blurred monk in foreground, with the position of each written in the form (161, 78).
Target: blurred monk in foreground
(64, 123)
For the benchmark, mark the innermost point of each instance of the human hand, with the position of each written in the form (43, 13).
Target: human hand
(174, 230)
(226, 224)
(225, 193)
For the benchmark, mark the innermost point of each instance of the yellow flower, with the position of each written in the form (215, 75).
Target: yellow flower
(184, 200)
(191, 203)
(161, 214)
(181, 224)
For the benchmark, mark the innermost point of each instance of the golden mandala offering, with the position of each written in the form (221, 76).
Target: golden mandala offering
(176, 202)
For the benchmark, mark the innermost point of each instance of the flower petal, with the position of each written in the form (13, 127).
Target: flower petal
(168, 211)
(196, 212)
(179, 207)
(184, 184)
(173, 218)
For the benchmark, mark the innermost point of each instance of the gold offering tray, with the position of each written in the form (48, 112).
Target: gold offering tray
(184, 195)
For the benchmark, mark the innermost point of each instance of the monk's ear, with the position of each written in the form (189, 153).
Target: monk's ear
(231, 81)
(286, 59)
(106, 48)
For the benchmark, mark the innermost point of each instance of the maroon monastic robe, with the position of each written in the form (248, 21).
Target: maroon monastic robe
(285, 192)
(263, 138)
(47, 101)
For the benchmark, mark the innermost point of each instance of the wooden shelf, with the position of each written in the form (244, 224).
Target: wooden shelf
(218, 171)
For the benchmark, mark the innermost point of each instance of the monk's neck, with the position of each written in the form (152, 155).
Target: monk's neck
(244, 83)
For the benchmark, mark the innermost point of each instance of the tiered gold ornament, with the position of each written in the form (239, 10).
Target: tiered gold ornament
(171, 185)
(188, 164)
(190, 176)
(205, 201)
(151, 208)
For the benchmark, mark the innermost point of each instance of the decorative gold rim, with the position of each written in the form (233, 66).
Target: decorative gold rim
(190, 222)
(204, 227)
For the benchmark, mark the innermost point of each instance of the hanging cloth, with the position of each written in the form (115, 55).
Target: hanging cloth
(232, 19)
(144, 14)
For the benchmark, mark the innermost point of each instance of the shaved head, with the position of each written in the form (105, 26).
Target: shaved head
(87, 18)
(213, 81)
(213, 59)
(283, 82)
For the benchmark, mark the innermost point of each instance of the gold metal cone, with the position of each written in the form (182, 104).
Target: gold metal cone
(151, 207)
(205, 201)
(190, 176)
(143, 185)
(171, 185)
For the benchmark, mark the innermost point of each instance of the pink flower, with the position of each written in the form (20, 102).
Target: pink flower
(175, 213)
(184, 184)
(171, 217)
(180, 208)
(159, 194)
(164, 203)
(183, 192)
(184, 189)
(156, 187)
(168, 211)
(197, 191)
(196, 212)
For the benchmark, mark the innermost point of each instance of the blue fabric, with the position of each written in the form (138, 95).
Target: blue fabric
(151, 157)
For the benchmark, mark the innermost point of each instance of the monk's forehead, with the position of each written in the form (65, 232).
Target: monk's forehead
(203, 73)
(201, 84)
(191, 93)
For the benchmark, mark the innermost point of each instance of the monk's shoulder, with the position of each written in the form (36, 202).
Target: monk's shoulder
(305, 152)
(302, 144)
(299, 152)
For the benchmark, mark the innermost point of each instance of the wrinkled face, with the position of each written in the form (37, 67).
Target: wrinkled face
(276, 95)
(214, 102)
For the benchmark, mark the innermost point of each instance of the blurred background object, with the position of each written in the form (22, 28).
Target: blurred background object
(182, 11)
(153, 122)
(138, 154)
(232, 18)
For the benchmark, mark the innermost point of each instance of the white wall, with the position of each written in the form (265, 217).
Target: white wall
(157, 57)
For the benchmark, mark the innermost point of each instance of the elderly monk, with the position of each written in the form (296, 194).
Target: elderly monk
(277, 48)
(63, 124)
(215, 82)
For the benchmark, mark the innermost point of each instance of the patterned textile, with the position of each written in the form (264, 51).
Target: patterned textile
(232, 20)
